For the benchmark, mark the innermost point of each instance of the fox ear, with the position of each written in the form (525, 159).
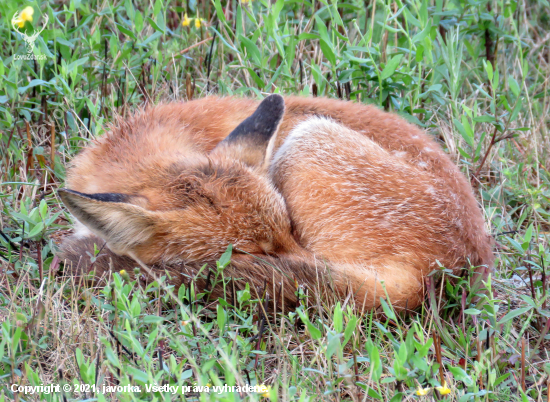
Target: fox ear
(252, 141)
(113, 217)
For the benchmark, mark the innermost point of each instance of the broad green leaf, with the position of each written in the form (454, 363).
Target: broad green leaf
(513, 84)
(391, 66)
(461, 375)
(387, 310)
(350, 328)
(333, 346)
(137, 374)
(219, 11)
(489, 69)
(221, 318)
(151, 38)
(152, 319)
(337, 320)
(327, 52)
(36, 230)
(313, 330)
(126, 31)
(516, 110)
(77, 63)
(514, 313)
(43, 209)
(251, 50)
(158, 25)
(527, 237)
(33, 84)
(225, 259)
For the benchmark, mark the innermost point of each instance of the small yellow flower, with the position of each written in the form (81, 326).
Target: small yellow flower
(184, 323)
(265, 389)
(422, 391)
(124, 275)
(25, 15)
(198, 22)
(186, 21)
(444, 390)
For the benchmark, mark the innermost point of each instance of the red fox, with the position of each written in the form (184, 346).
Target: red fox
(308, 190)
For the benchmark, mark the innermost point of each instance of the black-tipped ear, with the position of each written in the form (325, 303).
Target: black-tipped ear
(111, 216)
(251, 141)
(260, 127)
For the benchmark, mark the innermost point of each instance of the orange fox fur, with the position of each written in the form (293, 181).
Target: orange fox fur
(321, 190)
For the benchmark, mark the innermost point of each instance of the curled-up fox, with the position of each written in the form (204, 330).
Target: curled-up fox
(309, 191)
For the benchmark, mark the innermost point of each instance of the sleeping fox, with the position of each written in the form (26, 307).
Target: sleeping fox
(308, 191)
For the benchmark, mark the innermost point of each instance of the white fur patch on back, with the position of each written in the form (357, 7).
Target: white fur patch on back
(313, 124)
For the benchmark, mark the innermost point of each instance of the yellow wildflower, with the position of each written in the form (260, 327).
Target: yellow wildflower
(27, 13)
(124, 275)
(444, 390)
(186, 21)
(422, 391)
(198, 22)
(264, 390)
(23, 16)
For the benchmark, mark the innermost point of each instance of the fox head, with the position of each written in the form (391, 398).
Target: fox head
(195, 208)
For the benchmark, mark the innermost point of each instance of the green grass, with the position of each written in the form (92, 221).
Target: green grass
(474, 74)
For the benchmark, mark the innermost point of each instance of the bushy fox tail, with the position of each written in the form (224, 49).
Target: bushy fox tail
(286, 280)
